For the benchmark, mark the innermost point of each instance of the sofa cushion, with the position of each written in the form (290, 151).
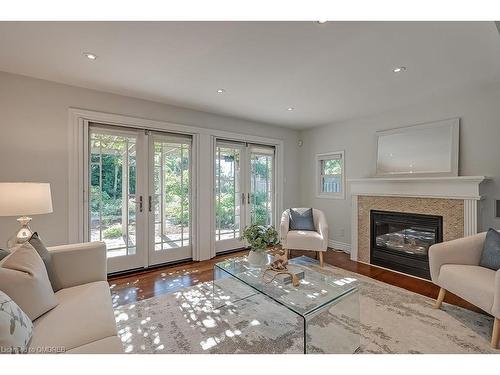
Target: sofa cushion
(490, 257)
(304, 240)
(39, 246)
(109, 345)
(16, 327)
(301, 219)
(23, 278)
(475, 284)
(84, 315)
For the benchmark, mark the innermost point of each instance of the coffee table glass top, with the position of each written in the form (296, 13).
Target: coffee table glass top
(318, 288)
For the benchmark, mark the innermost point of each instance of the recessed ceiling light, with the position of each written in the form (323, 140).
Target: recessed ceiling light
(401, 69)
(322, 21)
(221, 91)
(90, 55)
(290, 109)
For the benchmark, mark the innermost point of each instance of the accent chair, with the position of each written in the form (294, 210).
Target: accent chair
(316, 240)
(455, 267)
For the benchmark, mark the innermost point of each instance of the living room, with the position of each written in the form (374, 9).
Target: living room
(250, 185)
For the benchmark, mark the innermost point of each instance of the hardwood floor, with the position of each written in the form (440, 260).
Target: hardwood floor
(150, 283)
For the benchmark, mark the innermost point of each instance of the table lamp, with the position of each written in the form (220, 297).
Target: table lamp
(21, 199)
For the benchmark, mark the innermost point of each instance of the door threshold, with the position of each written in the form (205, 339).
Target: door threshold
(140, 270)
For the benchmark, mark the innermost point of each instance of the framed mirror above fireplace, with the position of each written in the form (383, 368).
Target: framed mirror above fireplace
(429, 149)
(400, 241)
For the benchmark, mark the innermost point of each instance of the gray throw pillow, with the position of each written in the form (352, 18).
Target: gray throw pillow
(301, 219)
(40, 248)
(490, 257)
(3, 253)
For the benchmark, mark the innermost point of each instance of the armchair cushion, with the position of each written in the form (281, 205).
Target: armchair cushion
(475, 284)
(304, 240)
(301, 219)
(490, 257)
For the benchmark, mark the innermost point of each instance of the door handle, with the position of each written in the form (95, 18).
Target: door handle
(243, 198)
(150, 204)
(248, 198)
(140, 204)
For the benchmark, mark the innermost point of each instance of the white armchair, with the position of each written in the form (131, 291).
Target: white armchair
(455, 268)
(305, 240)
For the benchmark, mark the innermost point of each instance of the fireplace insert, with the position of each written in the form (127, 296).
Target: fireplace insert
(400, 241)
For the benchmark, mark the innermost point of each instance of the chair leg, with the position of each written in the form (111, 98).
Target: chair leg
(495, 337)
(440, 298)
(320, 258)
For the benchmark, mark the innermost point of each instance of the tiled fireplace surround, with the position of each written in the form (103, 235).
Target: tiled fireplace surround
(454, 198)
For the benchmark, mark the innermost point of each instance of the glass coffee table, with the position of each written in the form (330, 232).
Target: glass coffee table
(328, 304)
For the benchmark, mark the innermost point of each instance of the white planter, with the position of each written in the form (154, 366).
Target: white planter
(258, 258)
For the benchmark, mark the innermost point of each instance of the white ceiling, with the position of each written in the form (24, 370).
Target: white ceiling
(327, 72)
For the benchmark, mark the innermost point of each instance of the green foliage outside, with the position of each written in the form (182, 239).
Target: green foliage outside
(114, 231)
(260, 237)
(225, 204)
(331, 167)
(175, 190)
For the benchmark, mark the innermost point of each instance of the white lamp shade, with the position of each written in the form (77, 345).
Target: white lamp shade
(24, 198)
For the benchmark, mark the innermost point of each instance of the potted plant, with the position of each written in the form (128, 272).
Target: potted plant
(260, 237)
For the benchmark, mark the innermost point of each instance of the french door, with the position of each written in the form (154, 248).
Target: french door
(244, 191)
(139, 196)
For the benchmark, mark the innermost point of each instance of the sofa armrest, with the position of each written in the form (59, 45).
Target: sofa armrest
(77, 264)
(284, 227)
(495, 311)
(465, 251)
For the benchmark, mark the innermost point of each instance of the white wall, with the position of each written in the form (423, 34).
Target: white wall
(33, 140)
(479, 111)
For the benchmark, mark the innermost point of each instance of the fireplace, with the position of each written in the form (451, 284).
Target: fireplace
(400, 241)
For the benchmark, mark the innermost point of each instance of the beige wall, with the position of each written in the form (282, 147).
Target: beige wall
(479, 111)
(33, 139)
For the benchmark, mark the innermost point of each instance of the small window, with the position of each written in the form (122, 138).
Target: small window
(330, 178)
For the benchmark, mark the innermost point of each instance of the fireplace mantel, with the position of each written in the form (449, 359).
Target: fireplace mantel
(464, 188)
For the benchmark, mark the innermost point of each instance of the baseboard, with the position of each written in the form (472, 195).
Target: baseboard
(337, 245)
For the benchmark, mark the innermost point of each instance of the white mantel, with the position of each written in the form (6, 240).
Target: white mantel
(465, 188)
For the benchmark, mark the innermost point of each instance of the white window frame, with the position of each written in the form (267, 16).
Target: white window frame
(319, 176)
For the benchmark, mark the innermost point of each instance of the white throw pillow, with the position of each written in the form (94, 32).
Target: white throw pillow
(16, 327)
(24, 278)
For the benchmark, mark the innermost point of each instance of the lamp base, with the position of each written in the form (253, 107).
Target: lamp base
(22, 235)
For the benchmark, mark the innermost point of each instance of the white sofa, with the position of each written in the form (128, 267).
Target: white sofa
(305, 240)
(83, 321)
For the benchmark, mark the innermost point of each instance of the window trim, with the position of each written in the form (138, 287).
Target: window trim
(319, 176)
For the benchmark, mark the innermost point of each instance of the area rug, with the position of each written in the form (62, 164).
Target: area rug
(391, 320)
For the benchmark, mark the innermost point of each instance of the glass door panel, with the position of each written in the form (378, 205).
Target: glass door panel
(261, 187)
(170, 194)
(244, 191)
(113, 184)
(229, 196)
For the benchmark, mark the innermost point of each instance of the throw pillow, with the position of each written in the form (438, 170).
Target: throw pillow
(3, 253)
(490, 257)
(301, 219)
(37, 243)
(24, 278)
(16, 328)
